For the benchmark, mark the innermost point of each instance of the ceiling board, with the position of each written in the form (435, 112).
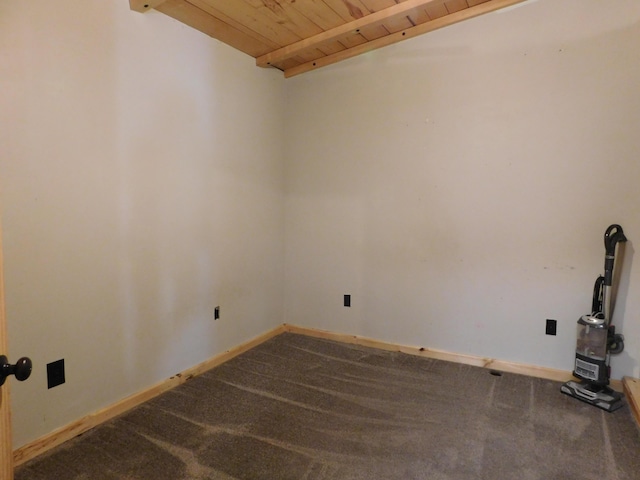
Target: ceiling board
(297, 36)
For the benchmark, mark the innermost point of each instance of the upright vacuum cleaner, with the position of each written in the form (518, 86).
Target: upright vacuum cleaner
(597, 338)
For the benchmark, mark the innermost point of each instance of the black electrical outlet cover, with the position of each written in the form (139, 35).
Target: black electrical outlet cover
(347, 300)
(551, 327)
(55, 373)
(216, 313)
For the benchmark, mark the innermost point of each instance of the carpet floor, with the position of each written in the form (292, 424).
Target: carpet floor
(297, 407)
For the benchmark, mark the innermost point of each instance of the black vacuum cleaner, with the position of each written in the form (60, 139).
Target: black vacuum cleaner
(597, 338)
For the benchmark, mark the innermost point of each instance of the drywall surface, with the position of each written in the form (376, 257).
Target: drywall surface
(141, 179)
(459, 185)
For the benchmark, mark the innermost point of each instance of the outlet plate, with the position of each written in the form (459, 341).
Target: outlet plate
(55, 373)
(216, 313)
(551, 327)
(347, 300)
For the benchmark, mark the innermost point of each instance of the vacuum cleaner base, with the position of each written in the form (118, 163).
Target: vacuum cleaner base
(596, 395)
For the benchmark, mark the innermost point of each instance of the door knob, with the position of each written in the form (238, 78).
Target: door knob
(22, 369)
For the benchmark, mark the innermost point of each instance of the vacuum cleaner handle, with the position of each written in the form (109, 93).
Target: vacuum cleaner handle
(612, 236)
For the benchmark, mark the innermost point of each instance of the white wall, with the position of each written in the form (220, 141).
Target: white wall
(458, 185)
(142, 185)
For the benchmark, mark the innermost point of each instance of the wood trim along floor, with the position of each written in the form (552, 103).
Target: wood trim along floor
(31, 450)
(61, 435)
(490, 363)
(632, 392)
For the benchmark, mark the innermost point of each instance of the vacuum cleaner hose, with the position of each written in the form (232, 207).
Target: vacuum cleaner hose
(612, 236)
(617, 346)
(596, 303)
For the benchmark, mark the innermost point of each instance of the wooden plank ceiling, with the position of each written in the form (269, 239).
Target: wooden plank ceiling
(296, 36)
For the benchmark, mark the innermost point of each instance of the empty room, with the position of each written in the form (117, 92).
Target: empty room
(319, 239)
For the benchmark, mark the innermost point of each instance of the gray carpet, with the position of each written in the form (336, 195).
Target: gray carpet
(302, 408)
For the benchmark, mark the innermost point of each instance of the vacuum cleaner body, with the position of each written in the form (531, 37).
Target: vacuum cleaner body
(591, 351)
(597, 340)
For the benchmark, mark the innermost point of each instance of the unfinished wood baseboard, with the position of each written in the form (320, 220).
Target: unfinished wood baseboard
(632, 392)
(490, 363)
(55, 438)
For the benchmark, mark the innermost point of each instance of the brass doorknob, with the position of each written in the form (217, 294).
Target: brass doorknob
(21, 370)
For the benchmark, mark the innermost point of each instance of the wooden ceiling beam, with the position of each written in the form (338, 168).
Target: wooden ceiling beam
(450, 19)
(336, 33)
